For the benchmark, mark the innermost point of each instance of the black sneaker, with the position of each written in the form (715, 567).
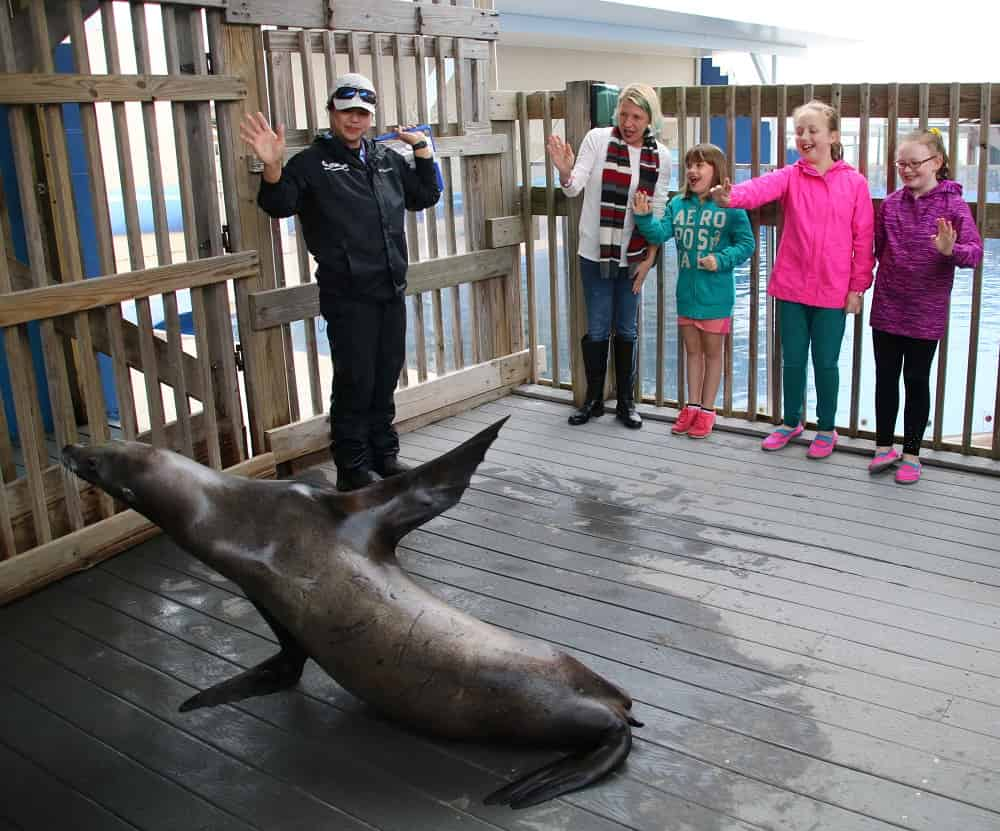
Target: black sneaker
(391, 466)
(354, 478)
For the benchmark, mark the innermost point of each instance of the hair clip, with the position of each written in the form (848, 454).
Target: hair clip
(935, 131)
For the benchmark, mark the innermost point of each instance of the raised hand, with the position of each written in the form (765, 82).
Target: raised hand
(268, 145)
(410, 136)
(708, 263)
(562, 155)
(640, 203)
(945, 237)
(721, 193)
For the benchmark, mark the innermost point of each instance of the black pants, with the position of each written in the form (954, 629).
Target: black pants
(913, 356)
(368, 345)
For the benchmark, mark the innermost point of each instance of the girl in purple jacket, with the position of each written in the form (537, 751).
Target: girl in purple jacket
(924, 230)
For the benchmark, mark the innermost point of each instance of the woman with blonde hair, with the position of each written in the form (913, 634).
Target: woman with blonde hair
(613, 164)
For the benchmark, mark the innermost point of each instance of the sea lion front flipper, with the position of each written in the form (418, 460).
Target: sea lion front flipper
(569, 773)
(279, 672)
(410, 499)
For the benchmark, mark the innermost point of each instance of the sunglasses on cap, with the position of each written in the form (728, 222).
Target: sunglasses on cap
(347, 93)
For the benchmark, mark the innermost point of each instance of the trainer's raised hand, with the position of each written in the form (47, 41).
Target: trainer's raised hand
(268, 145)
(721, 193)
(562, 156)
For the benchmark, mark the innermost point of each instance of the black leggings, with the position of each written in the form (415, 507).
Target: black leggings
(914, 357)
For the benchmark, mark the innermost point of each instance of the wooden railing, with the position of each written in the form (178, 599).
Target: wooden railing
(47, 506)
(688, 110)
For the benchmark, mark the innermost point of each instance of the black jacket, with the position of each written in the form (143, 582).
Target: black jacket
(353, 213)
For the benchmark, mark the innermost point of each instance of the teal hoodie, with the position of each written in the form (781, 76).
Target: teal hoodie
(701, 228)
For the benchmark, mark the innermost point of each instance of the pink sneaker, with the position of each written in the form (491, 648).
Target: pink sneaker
(883, 461)
(908, 473)
(780, 437)
(703, 423)
(685, 420)
(822, 446)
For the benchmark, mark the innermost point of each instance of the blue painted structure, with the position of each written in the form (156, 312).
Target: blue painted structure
(80, 180)
(711, 76)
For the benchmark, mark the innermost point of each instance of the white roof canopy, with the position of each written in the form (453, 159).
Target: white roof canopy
(609, 26)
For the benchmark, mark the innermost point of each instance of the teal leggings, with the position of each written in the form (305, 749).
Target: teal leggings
(823, 329)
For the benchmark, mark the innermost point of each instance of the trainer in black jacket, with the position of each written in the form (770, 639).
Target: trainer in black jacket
(351, 195)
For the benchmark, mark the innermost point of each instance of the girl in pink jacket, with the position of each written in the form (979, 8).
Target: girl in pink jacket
(823, 267)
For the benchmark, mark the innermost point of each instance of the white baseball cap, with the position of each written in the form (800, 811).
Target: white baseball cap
(352, 91)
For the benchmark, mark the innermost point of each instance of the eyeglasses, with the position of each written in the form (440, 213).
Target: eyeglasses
(347, 93)
(913, 165)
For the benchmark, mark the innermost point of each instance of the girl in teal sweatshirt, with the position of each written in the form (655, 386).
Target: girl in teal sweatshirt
(711, 242)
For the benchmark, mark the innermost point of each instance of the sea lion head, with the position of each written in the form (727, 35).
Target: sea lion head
(129, 471)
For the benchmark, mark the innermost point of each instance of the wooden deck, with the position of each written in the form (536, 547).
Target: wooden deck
(809, 648)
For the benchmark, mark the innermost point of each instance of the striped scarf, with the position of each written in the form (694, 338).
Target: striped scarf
(615, 181)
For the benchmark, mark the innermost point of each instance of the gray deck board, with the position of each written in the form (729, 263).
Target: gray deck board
(834, 666)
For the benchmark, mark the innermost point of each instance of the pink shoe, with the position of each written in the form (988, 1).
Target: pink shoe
(822, 446)
(685, 420)
(908, 473)
(703, 423)
(780, 437)
(883, 461)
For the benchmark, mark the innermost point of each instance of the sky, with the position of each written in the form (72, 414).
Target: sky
(906, 42)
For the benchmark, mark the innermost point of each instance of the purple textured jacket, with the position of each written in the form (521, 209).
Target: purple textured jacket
(913, 283)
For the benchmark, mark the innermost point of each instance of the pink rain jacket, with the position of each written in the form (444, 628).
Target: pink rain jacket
(827, 240)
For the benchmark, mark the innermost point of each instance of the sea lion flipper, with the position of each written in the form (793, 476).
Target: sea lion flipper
(412, 498)
(279, 672)
(569, 773)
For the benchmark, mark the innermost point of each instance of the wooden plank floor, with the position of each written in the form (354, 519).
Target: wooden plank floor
(808, 647)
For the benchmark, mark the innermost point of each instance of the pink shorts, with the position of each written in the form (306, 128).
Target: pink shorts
(717, 326)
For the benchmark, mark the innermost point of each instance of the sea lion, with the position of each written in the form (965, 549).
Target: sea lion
(321, 568)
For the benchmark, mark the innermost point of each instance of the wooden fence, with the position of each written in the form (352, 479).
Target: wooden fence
(952, 107)
(159, 100)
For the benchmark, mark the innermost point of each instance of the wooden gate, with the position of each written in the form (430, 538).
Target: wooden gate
(150, 106)
(161, 207)
(431, 64)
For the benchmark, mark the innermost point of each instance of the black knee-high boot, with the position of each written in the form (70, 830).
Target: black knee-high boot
(595, 364)
(625, 369)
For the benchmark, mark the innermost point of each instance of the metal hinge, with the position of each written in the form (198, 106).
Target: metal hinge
(238, 354)
(227, 243)
(209, 63)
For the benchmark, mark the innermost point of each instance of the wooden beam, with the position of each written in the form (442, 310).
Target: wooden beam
(279, 40)
(90, 545)
(64, 88)
(287, 305)
(503, 104)
(313, 434)
(390, 16)
(504, 230)
(56, 300)
(131, 352)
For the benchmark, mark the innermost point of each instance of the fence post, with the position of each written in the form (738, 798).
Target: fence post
(241, 54)
(577, 125)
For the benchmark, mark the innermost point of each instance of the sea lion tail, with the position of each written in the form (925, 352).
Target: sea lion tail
(570, 773)
(412, 498)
